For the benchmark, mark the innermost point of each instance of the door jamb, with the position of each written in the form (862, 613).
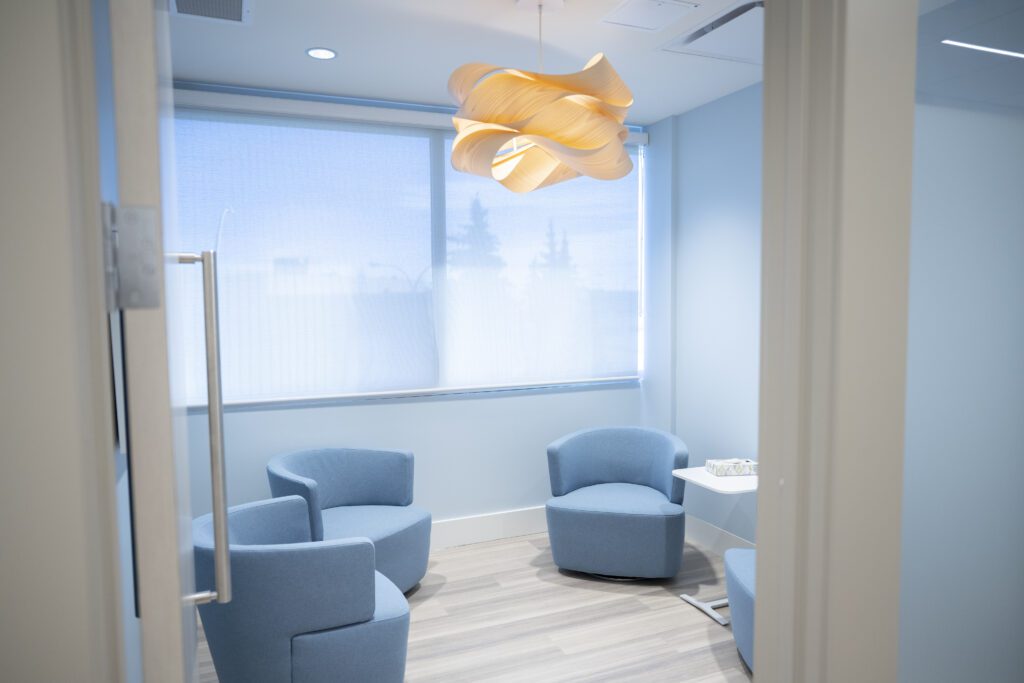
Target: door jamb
(163, 579)
(838, 110)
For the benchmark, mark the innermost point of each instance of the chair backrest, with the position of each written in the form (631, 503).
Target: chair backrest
(355, 476)
(283, 585)
(631, 455)
(264, 522)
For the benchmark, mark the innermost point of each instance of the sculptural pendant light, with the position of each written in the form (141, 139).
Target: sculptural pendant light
(528, 130)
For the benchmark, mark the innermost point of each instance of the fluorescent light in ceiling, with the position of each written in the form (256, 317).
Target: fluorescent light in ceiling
(321, 53)
(982, 48)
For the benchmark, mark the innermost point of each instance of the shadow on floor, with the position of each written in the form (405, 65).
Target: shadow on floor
(699, 570)
(425, 589)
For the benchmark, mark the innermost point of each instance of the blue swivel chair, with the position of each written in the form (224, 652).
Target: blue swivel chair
(301, 610)
(740, 564)
(617, 510)
(354, 492)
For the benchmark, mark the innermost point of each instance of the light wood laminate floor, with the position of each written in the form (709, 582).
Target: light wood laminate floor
(501, 611)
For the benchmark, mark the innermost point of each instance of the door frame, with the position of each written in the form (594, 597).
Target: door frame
(58, 516)
(836, 227)
(838, 122)
(163, 567)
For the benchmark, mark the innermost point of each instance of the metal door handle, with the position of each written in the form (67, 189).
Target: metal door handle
(215, 410)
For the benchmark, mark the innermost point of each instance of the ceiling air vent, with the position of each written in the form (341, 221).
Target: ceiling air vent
(223, 10)
(649, 15)
(737, 36)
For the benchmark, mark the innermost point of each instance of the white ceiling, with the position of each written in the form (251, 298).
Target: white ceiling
(404, 50)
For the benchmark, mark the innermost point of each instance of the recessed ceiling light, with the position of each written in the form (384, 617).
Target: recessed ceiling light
(982, 48)
(321, 53)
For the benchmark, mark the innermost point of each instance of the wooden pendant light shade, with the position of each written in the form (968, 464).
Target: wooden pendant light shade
(529, 130)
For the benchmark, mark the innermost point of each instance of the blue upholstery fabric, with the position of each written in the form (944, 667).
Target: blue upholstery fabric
(626, 499)
(617, 508)
(639, 533)
(354, 492)
(284, 586)
(400, 535)
(630, 455)
(740, 564)
(370, 652)
(342, 476)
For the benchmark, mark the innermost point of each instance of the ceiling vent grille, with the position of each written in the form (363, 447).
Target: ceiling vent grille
(737, 36)
(650, 15)
(222, 10)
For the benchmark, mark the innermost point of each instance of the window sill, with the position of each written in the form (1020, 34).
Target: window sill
(451, 393)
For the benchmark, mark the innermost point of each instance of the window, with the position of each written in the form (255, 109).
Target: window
(354, 260)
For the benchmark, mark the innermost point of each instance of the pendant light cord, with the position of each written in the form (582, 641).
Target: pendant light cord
(540, 55)
(540, 36)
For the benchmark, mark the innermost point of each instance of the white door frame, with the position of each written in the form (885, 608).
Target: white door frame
(839, 96)
(163, 578)
(59, 596)
(837, 216)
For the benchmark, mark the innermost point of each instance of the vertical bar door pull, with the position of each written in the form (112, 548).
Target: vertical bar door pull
(215, 411)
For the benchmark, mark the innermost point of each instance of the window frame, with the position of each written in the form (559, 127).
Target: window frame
(435, 124)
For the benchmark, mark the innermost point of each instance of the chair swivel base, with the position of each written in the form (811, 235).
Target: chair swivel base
(610, 577)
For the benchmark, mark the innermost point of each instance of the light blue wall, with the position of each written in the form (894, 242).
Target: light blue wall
(659, 293)
(716, 211)
(962, 592)
(473, 455)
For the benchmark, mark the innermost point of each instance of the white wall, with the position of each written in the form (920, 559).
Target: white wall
(713, 199)
(962, 592)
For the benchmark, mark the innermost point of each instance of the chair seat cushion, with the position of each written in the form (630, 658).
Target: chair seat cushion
(400, 535)
(375, 522)
(389, 603)
(626, 530)
(622, 499)
(740, 566)
(372, 651)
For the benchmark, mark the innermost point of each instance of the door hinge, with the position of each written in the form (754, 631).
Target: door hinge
(131, 254)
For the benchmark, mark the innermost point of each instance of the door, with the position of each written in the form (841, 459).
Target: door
(133, 59)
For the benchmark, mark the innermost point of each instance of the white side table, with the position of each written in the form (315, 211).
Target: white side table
(727, 485)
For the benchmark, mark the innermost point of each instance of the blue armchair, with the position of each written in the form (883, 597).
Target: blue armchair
(301, 610)
(354, 492)
(617, 510)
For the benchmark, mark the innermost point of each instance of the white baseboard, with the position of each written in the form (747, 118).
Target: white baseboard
(711, 537)
(492, 526)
